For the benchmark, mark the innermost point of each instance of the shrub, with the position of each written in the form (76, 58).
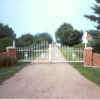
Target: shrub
(5, 42)
(95, 41)
(95, 45)
(79, 45)
(6, 61)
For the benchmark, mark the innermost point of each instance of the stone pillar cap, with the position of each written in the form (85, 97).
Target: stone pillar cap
(89, 48)
(10, 47)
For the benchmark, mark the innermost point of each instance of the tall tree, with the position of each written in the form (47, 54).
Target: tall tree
(6, 36)
(96, 16)
(66, 35)
(95, 42)
(6, 31)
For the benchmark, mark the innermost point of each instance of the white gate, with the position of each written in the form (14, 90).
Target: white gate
(39, 53)
(50, 53)
(63, 54)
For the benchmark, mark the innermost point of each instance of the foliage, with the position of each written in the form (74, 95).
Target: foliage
(96, 16)
(43, 37)
(76, 37)
(66, 35)
(95, 42)
(72, 54)
(24, 40)
(27, 40)
(6, 31)
(6, 73)
(6, 61)
(6, 37)
(79, 46)
(90, 73)
(4, 42)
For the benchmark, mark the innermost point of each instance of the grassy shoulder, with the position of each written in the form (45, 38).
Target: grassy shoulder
(90, 73)
(8, 72)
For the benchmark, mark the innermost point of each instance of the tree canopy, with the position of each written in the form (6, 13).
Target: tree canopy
(66, 35)
(6, 36)
(6, 31)
(96, 16)
(95, 42)
(43, 37)
(25, 40)
(28, 39)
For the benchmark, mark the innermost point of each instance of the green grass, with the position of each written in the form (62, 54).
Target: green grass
(90, 73)
(7, 72)
(69, 52)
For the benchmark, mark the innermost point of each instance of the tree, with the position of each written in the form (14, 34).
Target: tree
(25, 40)
(43, 37)
(96, 16)
(5, 42)
(76, 37)
(6, 31)
(95, 42)
(6, 36)
(66, 35)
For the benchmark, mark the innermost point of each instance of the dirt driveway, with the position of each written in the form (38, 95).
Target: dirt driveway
(49, 81)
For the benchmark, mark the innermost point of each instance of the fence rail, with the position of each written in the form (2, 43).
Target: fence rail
(29, 54)
(50, 52)
(72, 54)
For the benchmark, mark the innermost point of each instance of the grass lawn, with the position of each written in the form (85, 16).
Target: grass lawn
(8, 72)
(72, 54)
(90, 73)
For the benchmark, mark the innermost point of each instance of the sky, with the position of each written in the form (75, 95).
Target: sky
(37, 16)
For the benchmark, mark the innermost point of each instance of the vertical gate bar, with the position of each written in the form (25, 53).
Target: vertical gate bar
(68, 53)
(23, 53)
(38, 52)
(74, 54)
(29, 53)
(33, 53)
(44, 48)
(49, 52)
(79, 54)
(39, 48)
(35, 50)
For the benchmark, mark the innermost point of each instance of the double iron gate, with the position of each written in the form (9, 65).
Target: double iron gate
(49, 53)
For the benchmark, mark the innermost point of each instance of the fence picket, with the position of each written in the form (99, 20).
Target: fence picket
(43, 50)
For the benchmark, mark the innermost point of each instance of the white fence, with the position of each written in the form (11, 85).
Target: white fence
(73, 54)
(50, 53)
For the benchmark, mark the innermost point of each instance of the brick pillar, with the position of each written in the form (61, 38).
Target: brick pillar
(88, 56)
(11, 52)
